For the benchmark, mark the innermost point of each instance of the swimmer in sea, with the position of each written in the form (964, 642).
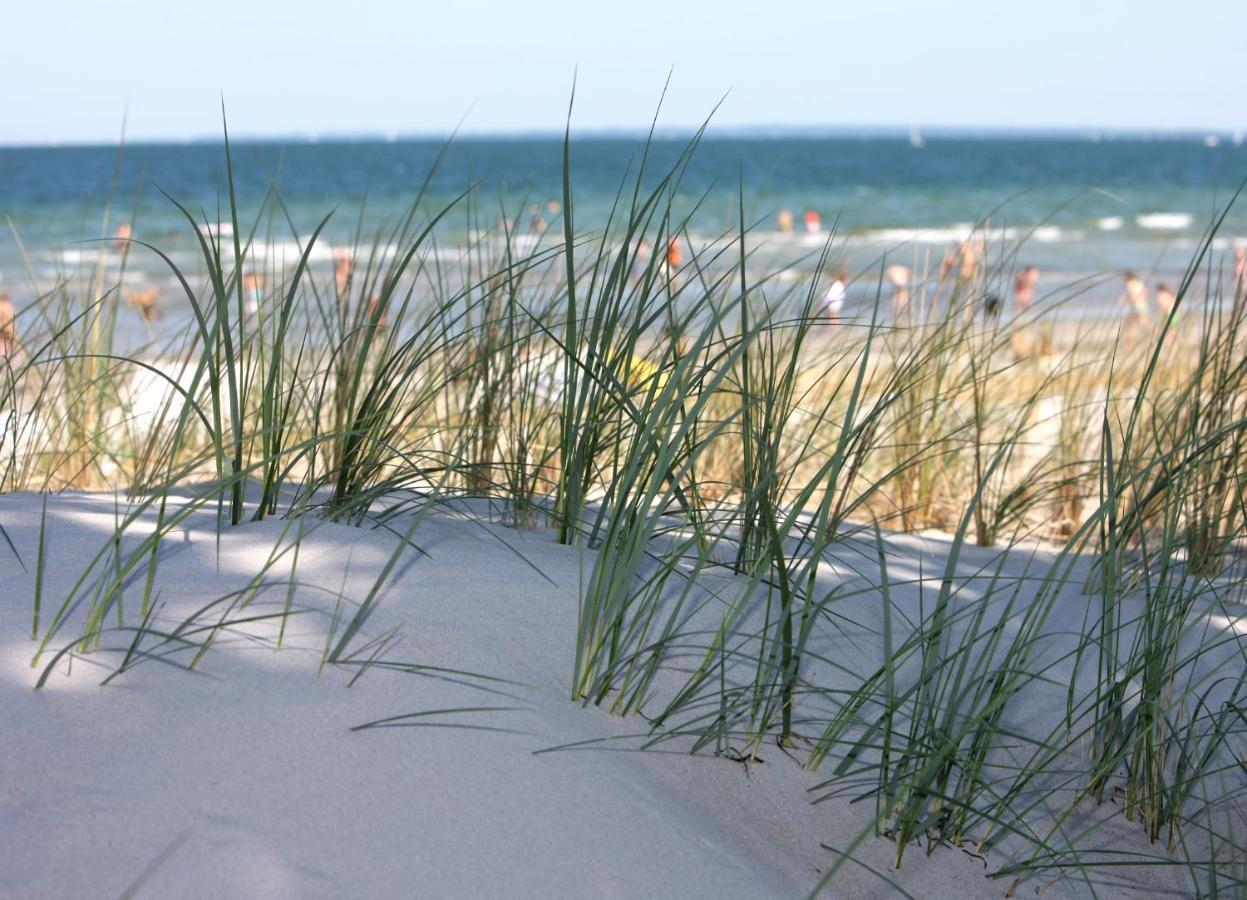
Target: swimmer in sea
(784, 221)
(536, 222)
(813, 222)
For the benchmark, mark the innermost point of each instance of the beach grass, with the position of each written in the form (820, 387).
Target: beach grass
(742, 471)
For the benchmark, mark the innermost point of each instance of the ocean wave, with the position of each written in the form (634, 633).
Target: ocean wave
(935, 235)
(1110, 223)
(953, 234)
(1049, 234)
(1165, 221)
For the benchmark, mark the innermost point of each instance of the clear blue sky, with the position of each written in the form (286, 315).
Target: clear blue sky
(379, 66)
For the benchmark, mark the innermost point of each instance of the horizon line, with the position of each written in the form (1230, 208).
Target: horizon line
(753, 132)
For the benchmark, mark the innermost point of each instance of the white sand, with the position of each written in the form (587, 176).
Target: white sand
(243, 778)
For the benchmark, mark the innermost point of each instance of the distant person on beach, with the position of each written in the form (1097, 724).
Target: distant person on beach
(8, 328)
(121, 237)
(898, 277)
(343, 265)
(837, 291)
(813, 222)
(784, 221)
(640, 259)
(1139, 311)
(964, 257)
(1167, 302)
(675, 253)
(146, 303)
(378, 315)
(1024, 288)
(253, 291)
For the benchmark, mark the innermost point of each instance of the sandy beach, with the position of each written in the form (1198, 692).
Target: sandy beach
(254, 776)
(244, 778)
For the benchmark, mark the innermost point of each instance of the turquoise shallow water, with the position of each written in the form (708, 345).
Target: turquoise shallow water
(1088, 206)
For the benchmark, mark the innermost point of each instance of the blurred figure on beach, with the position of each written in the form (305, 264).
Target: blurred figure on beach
(640, 259)
(673, 259)
(1167, 302)
(536, 221)
(784, 221)
(8, 328)
(813, 222)
(1240, 269)
(1024, 288)
(675, 253)
(837, 291)
(378, 315)
(898, 277)
(253, 291)
(343, 265)
(1138, 309)
(964, 257)
(146, 303)
(122, 235)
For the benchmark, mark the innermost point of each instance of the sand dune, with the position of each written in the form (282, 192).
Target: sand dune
(244, 778)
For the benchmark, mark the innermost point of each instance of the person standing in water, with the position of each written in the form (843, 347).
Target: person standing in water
(1024, 288)
(122, 235)
(837, 291)
(675, 253)
(784, 221)
(673, 259)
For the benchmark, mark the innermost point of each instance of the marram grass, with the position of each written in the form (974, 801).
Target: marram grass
(741, 471)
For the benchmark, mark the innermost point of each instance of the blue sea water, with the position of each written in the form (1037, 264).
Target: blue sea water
(1084, 206)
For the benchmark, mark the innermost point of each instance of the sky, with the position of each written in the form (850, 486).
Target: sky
(77, 70)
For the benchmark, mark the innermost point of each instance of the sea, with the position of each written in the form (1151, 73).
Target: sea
(1083, 208)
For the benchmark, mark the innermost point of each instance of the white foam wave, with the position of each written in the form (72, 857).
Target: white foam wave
(1110, 223)
(952, 234)
(945, 235)
(1165, 221)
